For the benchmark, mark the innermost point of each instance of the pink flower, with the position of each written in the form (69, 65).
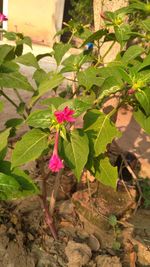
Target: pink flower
(3, 17)
(65, 115)
(131, 91)
(55, 163)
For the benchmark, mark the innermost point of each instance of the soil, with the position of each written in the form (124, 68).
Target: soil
(85, 238)
(85, 235)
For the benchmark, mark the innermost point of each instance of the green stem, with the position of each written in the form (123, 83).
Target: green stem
(21, 100)
(69, 41)
(101, 59)
(18, 95)
(106, 53)
(12, 102)
(9, 99)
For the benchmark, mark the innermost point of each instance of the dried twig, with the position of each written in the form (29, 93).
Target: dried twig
(43, 197)
(55, 192)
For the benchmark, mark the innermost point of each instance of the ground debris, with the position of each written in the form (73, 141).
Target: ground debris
(78, 254)
(105, 261)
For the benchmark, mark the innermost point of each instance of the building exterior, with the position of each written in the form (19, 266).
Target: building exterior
(38, 19)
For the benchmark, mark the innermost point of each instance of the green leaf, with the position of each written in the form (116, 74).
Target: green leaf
(27, 185)
(13, 122)
(60, 50)
(9, 187)
(10, 36)
(110, 37)
(115, 74)
(40, 119)
(76, 152)
(145, 24)
(4, 51)
(110, 82)
(132, 52)
(40, 75)
(143, 120)
(103, 127)
(40, 56)
(9, 66)
(105, 172)
(122, 33)
(21, 108)
(30, 147)
(95, 36)
(22, 183)
(74, 62)
(27, 40)
(105, 93)
(28, 60)
(55, 101)
(90, 77)
(15, 80)
(143, 97)
(77, 105)
(116, 245)
(19, 50)
(47, 85)
(14, 125)
(112, 220)
(140, 6)
(146, 62)
(3, 138)
(3, 142)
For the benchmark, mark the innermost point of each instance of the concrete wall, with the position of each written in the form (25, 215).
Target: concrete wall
(38, 19)
(101, 6)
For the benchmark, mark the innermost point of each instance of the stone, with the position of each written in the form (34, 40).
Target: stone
(105, 261)
(78, 254)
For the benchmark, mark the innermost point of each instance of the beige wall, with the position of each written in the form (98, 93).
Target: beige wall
(38, 19)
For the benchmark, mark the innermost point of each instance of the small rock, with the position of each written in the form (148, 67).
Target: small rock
(14, 219)
(93, 243)
(105, 261)
(30, 236)
(143, 254)
(78, 254)
(83, 235)
(66, 207)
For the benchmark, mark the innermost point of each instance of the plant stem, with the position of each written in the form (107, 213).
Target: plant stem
(9, 99)
(55, 192)
(71, 80)
(21, 100)
(18, 95)
(12, 102)
(48, 216)
(69, 41)
(106, 53)
(55, 151)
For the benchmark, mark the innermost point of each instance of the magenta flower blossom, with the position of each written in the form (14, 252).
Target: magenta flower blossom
(55, 163)
(3, 17)
(131, 91)
(65, 115)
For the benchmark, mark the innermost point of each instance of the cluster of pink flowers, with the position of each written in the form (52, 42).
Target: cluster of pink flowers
(55, 162)
(65, 115)
(3, 17)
